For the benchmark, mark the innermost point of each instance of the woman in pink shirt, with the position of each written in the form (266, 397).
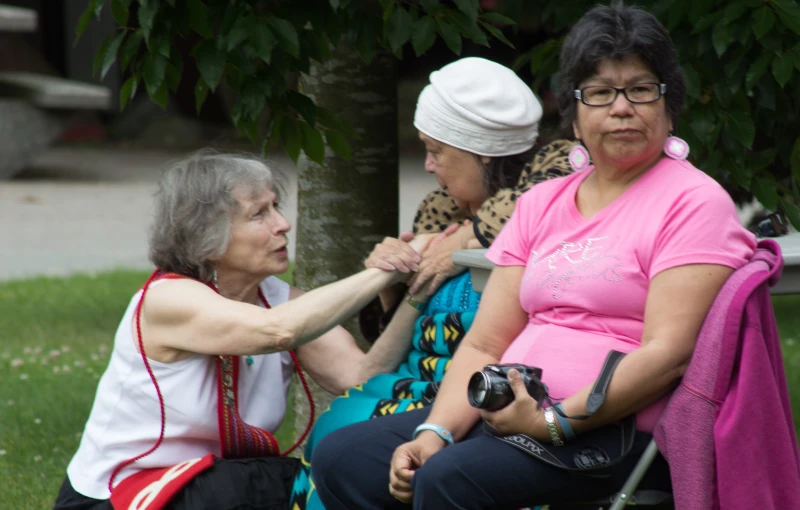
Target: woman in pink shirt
(633, 251)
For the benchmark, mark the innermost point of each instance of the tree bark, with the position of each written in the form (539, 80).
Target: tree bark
(345, 206)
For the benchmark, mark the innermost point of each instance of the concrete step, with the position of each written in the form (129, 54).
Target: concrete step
(53, 92)
(18, 19)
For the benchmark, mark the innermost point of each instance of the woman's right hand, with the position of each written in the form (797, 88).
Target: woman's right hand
(409, 457)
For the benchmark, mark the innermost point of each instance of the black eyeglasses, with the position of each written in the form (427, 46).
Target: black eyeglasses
(604, 95)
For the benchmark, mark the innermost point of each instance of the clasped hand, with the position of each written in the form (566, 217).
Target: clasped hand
(521, 416)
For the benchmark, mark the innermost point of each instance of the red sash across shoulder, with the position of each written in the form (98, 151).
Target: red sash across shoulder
(152, 489)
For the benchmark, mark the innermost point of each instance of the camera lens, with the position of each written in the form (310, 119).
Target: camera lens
(477, 389)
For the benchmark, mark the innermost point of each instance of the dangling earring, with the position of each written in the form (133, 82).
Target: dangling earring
(215, 280)
(579, 157)
(676, 148)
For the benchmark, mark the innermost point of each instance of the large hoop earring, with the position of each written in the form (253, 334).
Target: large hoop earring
(579, 157)
(676, 148)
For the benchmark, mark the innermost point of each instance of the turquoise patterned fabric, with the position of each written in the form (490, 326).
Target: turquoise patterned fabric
(437, 334)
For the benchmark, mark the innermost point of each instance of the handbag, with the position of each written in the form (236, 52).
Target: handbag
(591, 453)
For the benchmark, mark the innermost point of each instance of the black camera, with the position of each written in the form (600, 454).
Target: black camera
(490, 389)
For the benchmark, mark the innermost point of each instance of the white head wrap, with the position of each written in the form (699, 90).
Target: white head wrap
(479, 106)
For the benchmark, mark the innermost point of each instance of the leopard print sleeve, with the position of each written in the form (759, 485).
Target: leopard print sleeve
(550, 162)
(436, 212)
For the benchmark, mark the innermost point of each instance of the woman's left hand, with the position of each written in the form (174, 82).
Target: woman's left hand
(521, 416)
(437, 260)
(394, 255)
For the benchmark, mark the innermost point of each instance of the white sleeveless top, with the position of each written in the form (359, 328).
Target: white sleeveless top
(125, 419)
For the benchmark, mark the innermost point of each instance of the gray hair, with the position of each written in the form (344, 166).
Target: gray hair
(613, 33)
(194, 208)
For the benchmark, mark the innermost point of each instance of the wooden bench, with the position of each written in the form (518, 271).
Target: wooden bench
(480, 267)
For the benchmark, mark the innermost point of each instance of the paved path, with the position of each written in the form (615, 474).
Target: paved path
(86, 210)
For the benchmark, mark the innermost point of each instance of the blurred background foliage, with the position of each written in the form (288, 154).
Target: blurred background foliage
(741, 60)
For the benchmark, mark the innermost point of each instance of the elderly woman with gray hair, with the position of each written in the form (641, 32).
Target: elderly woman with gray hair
(203, 355)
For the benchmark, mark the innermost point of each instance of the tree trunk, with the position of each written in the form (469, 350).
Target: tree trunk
(346, 206)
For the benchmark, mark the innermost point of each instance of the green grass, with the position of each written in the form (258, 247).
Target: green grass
(56, 340)
(56, 336)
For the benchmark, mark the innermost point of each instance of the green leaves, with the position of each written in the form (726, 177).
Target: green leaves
(789, 13)
(200, 94)
(198, 18)
(303, 105)
(468, 7)
(128, 91)
(424, 35)
(721, 37)
(782, 67)
(313, 145)
(399, 28)
(286, 35)
(742, 127)
(765, 190)
(338, 144)
(496, 17)
(210, 62)
(155, 70)
(119, 9)
(757, 70)
(107, 55)
(763, 21)
(261, 38)
(450, 35)
(148, 9)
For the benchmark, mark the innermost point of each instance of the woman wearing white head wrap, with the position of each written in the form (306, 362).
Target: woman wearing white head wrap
(479, 123)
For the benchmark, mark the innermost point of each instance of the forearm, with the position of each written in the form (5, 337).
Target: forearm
(391, 348)
(451, 408)
(307, 317)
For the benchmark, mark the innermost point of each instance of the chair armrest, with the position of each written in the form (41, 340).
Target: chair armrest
(479, 266)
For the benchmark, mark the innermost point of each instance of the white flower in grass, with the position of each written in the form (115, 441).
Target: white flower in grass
(56, 449)
(3, 452)
(790, 341)
(95, 357)
(54, 354)
(6, 354)
(11, 402)
(17, 362)
(27, 350)
(44, 361)
(38, 458)
(66, 368)
(79, 363)
(102, 349)
(56, 370)
(37, 350)
(65, 348)
(23, 377)
(37, 421)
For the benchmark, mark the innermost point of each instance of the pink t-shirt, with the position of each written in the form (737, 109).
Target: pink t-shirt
(586, 280)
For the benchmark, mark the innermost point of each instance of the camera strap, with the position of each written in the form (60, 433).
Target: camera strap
(598, 395)
(592, 452)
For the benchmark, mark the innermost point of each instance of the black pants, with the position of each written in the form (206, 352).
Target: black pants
(262, 483)
(351, 471)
